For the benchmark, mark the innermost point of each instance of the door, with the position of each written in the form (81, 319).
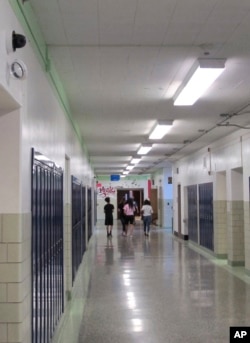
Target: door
(154, 203)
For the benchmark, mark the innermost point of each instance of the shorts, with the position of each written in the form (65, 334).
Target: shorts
(109, 220)
(129, 220)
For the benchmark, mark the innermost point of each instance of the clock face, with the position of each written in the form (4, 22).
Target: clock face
(18, 69)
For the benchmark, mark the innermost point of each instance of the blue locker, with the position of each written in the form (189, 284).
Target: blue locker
(206, 215)
(192, 213)
(47, 247)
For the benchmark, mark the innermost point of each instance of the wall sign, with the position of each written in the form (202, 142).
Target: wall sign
(115, 177)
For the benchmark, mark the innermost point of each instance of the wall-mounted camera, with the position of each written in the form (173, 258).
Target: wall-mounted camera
(18, 41)
(15, 41)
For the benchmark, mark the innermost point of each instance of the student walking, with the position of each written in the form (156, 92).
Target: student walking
(109, 221)
(146, 212)
(129, 210)
(136, 210)
(122, 215)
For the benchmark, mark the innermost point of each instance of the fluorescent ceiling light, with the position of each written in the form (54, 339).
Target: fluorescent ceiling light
(144, 149)
(203, 75)
(135, 160)
(160, 129)
(129, 167)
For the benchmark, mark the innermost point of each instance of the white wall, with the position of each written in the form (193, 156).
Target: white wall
(226, 154)
(10, 195)
(43, 124)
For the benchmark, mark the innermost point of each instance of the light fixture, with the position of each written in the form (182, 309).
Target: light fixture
(125, 172)
(144, 149)
(129, 167)
(160, 129)
(135, 160)
(202, 75)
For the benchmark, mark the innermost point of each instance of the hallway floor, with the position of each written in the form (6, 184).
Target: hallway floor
(160, 290)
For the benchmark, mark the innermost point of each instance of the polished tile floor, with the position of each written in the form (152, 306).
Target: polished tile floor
(160, 290)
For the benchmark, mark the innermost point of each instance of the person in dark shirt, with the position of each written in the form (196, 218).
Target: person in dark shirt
(108, 210)
(122, 215)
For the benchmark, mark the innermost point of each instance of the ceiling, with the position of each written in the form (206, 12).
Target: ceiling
(122, 61)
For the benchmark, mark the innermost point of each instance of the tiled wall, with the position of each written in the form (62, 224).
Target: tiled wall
(247, 236)
(15, 278)
(220, 228)
(236, 247)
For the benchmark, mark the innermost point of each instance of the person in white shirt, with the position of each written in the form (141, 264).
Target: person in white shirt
(146, 212)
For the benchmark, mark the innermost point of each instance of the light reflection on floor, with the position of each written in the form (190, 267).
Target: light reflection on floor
(160, 289)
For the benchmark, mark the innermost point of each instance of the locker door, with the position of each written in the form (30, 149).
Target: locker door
(206, 215)
(192, 213)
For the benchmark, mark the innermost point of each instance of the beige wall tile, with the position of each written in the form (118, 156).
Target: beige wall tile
(1, 235)
(11, 228)
(15, 333)
(3, 332)
(26, 226)
(15, 292)
(3, 252)
(10, 313)
(3, 292)
(10, 272)
(26, 331)
(26, 269)
(14, 252)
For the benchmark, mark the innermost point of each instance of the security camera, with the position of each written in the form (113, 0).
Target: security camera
(14, 41)
(18, 41)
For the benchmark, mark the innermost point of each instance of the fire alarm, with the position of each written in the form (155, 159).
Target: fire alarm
(18, 70)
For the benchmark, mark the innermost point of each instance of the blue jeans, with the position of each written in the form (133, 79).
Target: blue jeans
(147, 222)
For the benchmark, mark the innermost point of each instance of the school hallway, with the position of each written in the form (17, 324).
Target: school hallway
(156, 290)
